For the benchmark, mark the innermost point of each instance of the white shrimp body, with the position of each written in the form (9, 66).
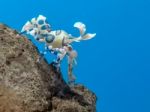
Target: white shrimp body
(57, 41)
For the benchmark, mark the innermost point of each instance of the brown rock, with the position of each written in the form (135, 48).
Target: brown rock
(29, 86)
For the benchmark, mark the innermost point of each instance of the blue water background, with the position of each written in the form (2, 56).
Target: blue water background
(116, 63)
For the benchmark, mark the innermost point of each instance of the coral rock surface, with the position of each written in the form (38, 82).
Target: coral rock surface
(29, 86)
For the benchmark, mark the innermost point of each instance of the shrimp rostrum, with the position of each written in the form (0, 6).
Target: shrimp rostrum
(57, 42)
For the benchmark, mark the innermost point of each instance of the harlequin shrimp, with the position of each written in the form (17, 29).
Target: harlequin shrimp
(57, 42)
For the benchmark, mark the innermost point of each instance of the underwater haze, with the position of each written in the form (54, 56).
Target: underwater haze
(116, 63)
